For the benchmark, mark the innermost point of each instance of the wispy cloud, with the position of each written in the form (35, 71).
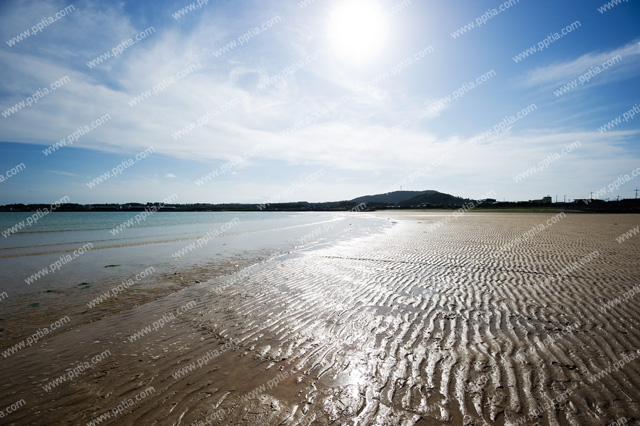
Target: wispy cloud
(344, 140)
(561, 72)
(57, 172)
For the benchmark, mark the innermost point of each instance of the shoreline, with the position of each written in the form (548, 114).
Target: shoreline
(408, 326)
(86, 293)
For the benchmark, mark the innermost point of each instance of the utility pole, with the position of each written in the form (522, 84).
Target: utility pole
(636, 193)
(565, 198)
(556, 198)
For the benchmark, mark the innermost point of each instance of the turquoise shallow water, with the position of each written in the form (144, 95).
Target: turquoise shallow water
(97, 221)
(17, 230)
(165, 239)
(57, 266)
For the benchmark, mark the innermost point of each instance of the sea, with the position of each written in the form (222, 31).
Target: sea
(68, 243)
(58, 262)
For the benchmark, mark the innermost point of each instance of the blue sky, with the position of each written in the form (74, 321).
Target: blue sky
(372, 119)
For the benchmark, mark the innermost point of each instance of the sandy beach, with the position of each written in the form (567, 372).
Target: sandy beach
(485, 318)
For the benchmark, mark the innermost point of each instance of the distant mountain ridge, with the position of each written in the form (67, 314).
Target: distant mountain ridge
(434, 198)
(394, 197)
(412, 198)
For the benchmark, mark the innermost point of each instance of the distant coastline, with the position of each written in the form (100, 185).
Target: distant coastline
(428, 199)
(596, 206)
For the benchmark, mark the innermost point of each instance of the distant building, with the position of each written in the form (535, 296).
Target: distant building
(544, 200)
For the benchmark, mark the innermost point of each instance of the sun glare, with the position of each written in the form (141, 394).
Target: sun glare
(357, 30)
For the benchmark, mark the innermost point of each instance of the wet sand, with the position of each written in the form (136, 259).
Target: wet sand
(124, 271)
(439, 320)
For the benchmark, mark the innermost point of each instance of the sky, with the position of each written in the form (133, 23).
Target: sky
(318, 100)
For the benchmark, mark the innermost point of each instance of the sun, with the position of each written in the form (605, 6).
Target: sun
(357, 30)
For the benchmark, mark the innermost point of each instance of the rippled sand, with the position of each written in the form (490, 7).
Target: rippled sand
(438, 321)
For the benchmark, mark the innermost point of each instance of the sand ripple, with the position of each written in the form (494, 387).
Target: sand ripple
(416, 326)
